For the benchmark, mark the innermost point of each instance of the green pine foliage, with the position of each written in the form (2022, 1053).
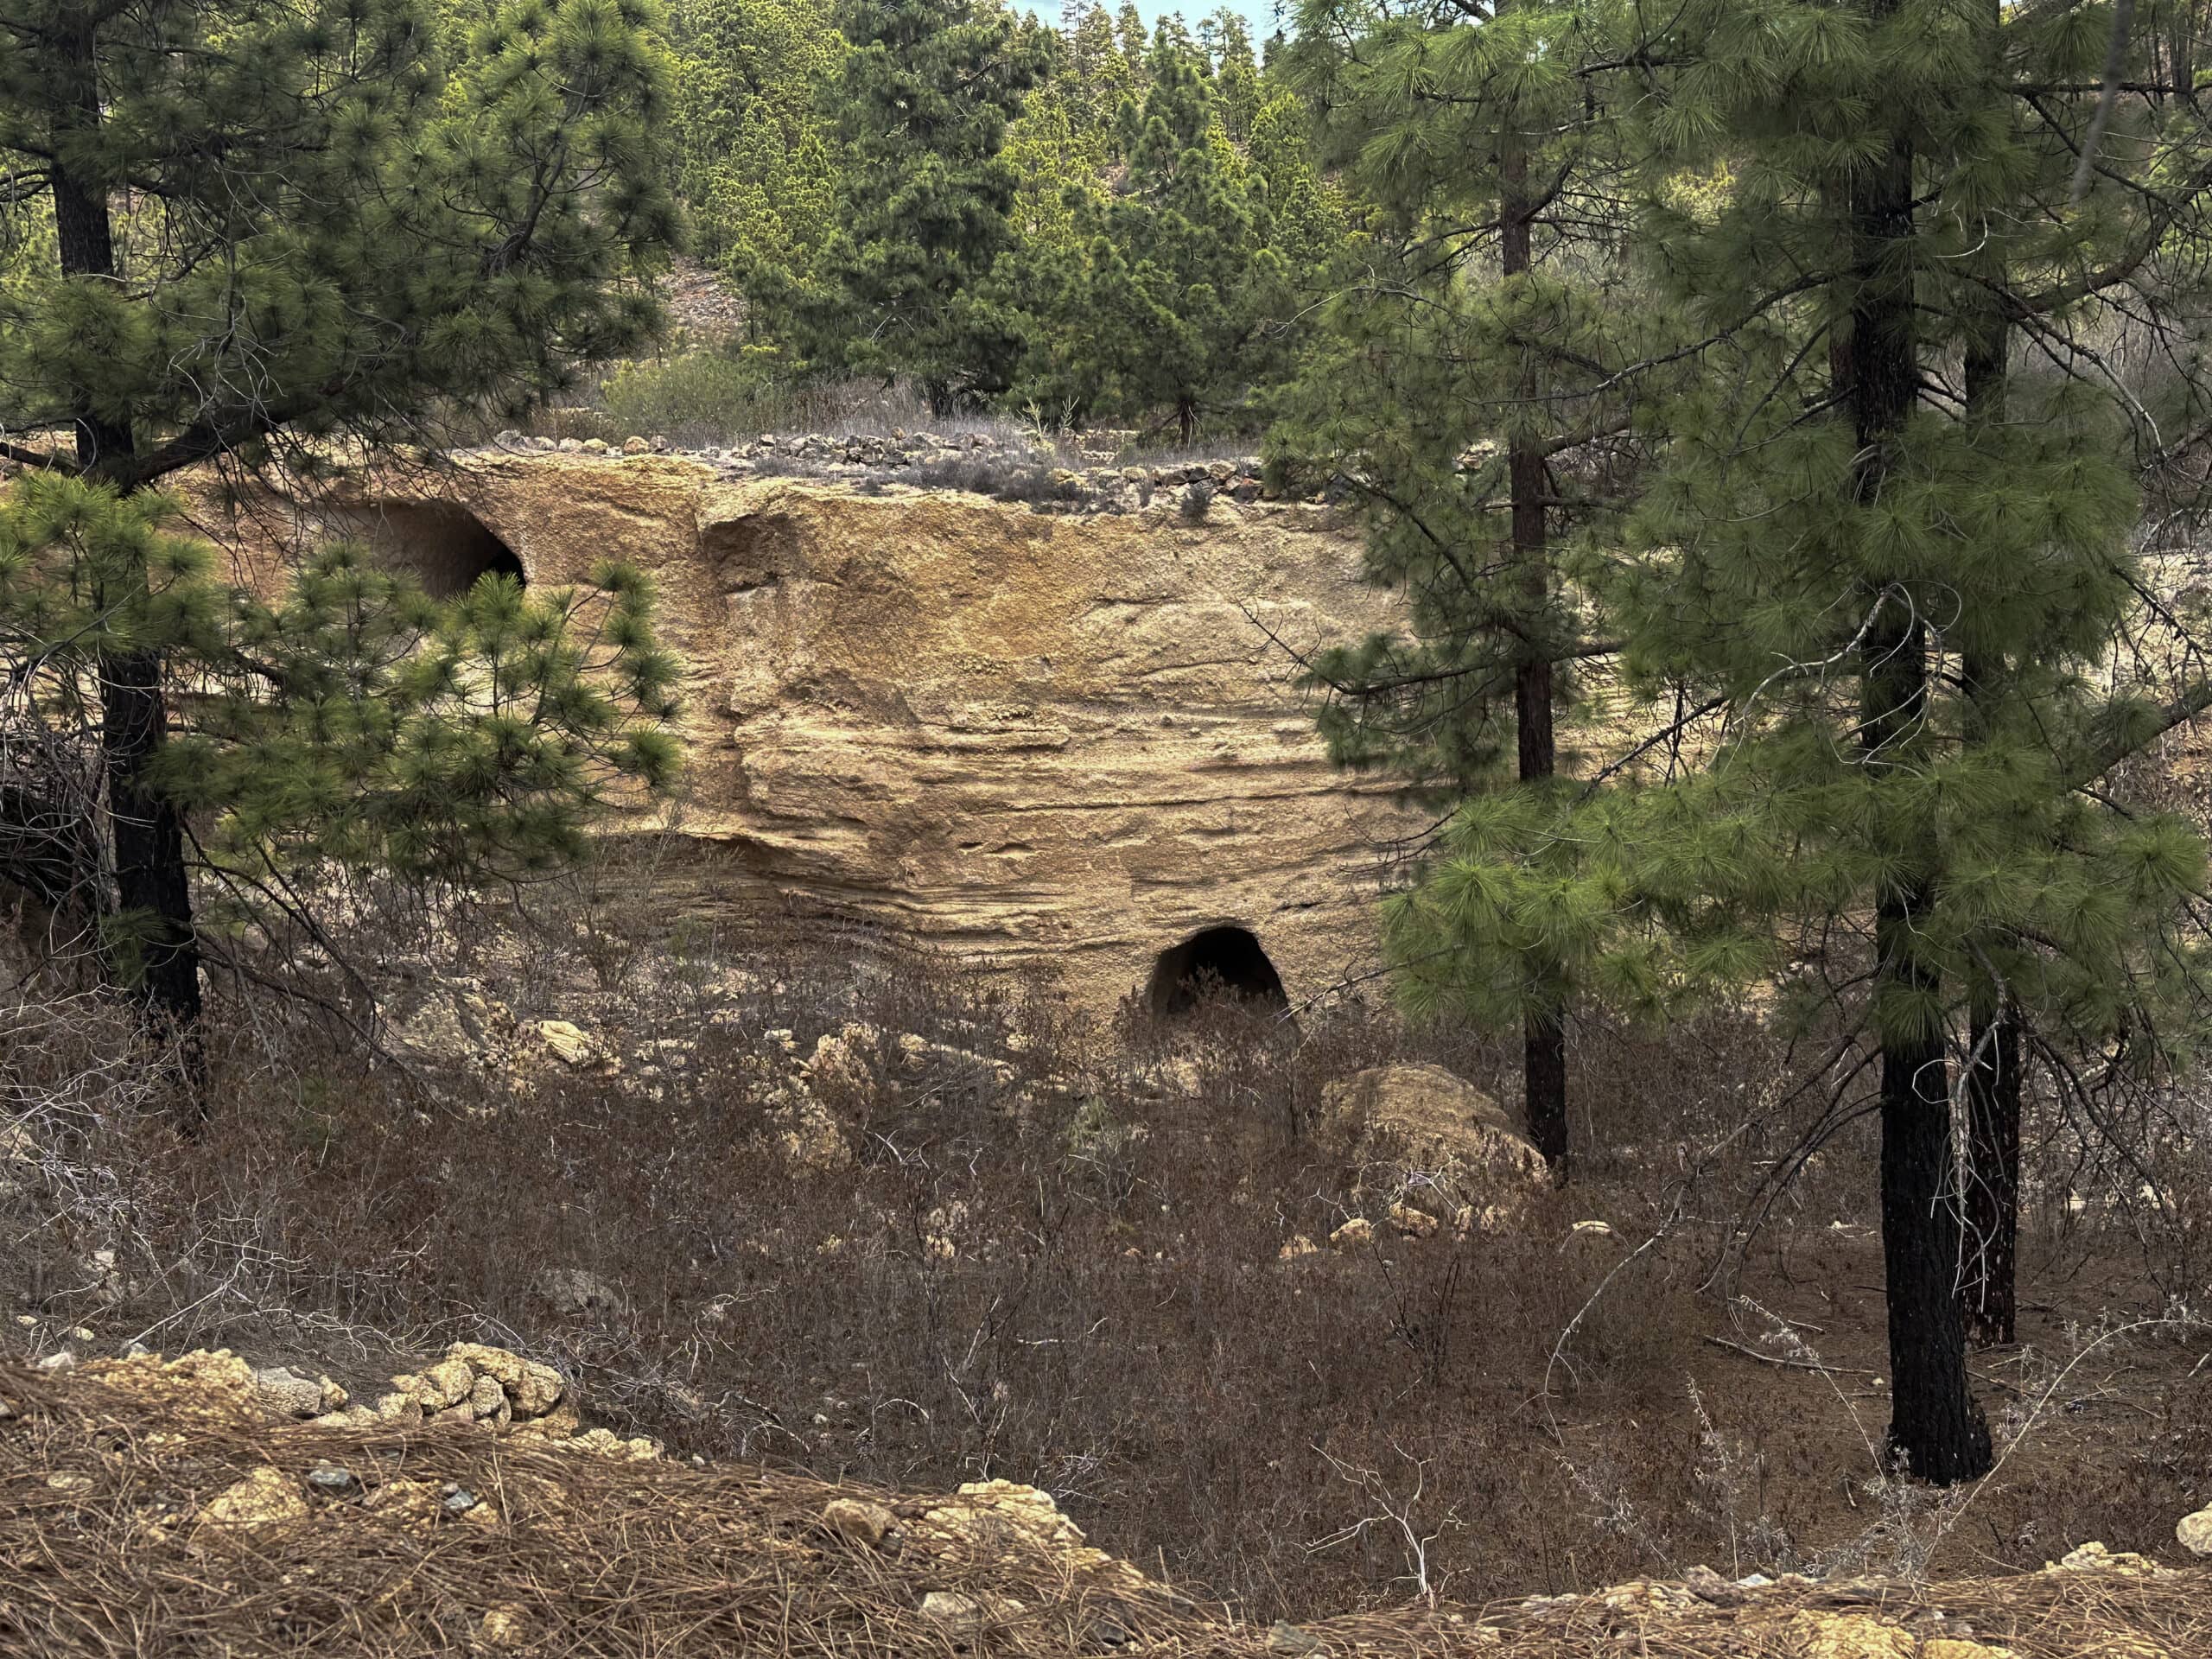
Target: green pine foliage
(754, 141)
(387, 254)
(909, 284)
(1174, 295)
(293, 232)
(1882, 578)
(350, 730)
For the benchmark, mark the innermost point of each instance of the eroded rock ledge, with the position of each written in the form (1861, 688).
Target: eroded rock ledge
(1061, 743)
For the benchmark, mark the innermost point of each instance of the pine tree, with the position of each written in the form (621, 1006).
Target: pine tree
(1454, 398)
(273, 229)
(909, 283)
(1876, 581)
(1176, 302)
(352, 730)
(755, 151)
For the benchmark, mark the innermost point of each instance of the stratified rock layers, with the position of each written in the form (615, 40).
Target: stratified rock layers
(1050, 742)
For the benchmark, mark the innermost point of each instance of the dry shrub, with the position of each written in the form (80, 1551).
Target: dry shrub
(1057, 1257)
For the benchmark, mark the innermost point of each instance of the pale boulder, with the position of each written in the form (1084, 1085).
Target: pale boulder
(2193, 1532)
(265, 1498)
(1423, 1115)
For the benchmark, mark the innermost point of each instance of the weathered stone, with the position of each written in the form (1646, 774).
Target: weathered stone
(2193, 1532)
(328, 1480)
(531, 1388)
(858, 1520)
(574, 1046)
(488, 1399)
(1411, 1222)
(968, 1608)
(575, 1294)
(284, 1393)
(505, 1628)
(1352, 1235)
(267, 1497)
(1063, 744)
(1422, 1117)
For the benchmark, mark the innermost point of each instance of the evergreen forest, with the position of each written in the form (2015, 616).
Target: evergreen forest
(1783, 426)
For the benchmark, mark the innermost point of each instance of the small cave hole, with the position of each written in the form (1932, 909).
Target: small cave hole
(1219, 963)
(442, 545)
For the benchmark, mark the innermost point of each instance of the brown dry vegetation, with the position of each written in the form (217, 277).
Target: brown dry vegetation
(1113, 1322)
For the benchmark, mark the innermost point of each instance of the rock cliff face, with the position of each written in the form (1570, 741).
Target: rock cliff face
(1051, 741)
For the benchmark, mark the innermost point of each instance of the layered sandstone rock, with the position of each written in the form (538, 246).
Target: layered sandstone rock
(1053, 742)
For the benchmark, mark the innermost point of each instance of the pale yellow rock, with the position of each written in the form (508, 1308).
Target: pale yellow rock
(265, 1498)
(447, 1382)
(505, 1627)
(1952, 1647)
(192, 1385)
(956, 1607)
(574, 1046)
(1352, 1235)
(861, 1521)
(2094, 1557)
(1411, 1222)
(533, 1388)
(488, 1400)
(2193, 1532)
(1842, 1636)
(1423, 1117)
(1297, 1245)
(404, 1502)
(1060, 744)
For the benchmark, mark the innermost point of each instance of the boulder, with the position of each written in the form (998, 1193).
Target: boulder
(1422, 1117)
(284, 1393)
(1353, 1234)
(2193, 1532)
(575, 1047)
(267, 1497)
(856, 1519)
(573, 1294)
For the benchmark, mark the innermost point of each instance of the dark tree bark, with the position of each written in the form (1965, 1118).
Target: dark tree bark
(1543, 1029)
(1988, 1295)
(152, 886)
(1988, 1289)
(1935, 1429)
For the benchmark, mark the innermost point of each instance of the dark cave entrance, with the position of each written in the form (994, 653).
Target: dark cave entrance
(1220, 962)
(441, 544)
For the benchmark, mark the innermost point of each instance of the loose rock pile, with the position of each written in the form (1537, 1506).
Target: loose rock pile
(1050, 478)
(473, 1384)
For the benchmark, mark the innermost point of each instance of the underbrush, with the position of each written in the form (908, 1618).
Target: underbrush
(1080, 1261)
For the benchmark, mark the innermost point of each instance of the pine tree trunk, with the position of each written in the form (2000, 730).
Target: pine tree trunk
(1988, 1294)
(151, 886)
(1543, 1029)
(1935, 1427)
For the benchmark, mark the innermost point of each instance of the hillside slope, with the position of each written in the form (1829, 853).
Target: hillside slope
(149, 1508)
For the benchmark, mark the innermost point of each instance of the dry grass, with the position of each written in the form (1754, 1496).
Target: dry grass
(1113, 1322)
(109, 1550)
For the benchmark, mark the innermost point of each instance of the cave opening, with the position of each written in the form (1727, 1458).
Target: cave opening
(1218, 963)
(441, 544)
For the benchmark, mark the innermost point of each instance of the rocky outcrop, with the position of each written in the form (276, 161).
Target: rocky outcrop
(1435, 1148)
(1059, 743)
